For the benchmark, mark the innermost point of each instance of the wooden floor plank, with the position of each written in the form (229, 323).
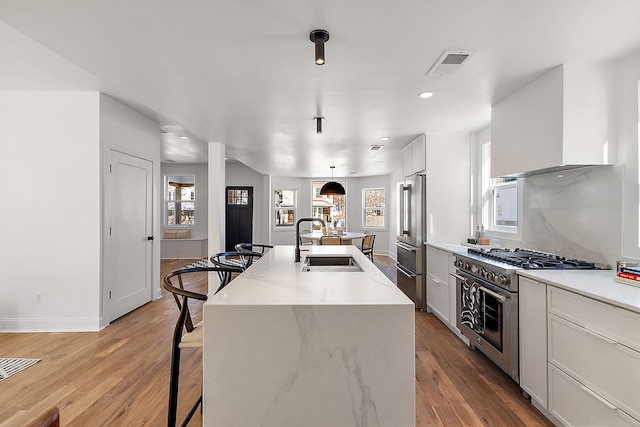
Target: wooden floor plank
(120, 376)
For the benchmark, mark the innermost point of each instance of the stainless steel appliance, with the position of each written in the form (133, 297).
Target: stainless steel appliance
(487, 298)
(410, 240)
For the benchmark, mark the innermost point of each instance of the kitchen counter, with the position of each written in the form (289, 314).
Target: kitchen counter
(287, 347)
(598, 284)
(449, 247)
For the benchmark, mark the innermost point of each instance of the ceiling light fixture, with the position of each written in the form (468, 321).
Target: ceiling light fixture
(332, 188)
(318, 124)
(425, 95)
(385, 138)
(319, 38)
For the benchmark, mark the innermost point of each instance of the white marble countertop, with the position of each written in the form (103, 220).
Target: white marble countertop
(598, 284)
(275, 279)
(449, 247)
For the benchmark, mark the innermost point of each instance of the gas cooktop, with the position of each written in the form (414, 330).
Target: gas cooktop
(529, 259)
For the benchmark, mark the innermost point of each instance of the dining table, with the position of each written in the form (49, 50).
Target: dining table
(347, 237)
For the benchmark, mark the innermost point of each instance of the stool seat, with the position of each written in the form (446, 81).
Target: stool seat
(193, 339)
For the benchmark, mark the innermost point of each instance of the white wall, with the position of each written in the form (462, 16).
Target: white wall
(50, 226)
(628, 76)
(125, 130)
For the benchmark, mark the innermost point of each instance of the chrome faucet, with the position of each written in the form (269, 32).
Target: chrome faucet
(298, 233)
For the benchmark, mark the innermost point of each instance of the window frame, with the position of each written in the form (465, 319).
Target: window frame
(330, 225)
(488, 191)
(284, 207)
(167, 201)
(365, 208)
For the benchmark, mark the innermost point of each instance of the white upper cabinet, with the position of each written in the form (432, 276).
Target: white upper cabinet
(563, 119)
(413, 156)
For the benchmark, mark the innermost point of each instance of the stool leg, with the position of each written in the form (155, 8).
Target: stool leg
(173, 386)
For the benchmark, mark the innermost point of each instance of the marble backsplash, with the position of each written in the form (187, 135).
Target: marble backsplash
(575, 213)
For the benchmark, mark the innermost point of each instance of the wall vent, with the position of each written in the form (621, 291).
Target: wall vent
(449, 62)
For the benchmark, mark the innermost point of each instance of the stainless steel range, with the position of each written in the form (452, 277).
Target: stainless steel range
(487, 298)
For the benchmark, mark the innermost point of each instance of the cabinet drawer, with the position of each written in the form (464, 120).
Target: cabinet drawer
(575, 405)
(617, 323)
(604, 366)
(438, 263)
(438, 297)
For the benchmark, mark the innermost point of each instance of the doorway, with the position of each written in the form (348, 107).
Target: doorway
(129, 234)
(239, 216)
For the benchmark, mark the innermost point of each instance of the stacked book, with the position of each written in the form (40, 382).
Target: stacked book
(629, 275)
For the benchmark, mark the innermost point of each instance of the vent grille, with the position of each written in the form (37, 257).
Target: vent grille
(450, 62)
(375, 147)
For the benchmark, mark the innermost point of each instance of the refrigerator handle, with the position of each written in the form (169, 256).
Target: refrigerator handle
(405, 208)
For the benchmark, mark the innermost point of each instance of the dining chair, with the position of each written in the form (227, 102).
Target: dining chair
(330, 240)
(305, 240)
(251, 251)
(230, 259)
(367, 245)
(185, 333)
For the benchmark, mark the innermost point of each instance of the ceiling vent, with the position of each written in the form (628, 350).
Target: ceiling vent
(449, 62)
(375, 147)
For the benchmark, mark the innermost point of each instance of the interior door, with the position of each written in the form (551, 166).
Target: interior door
(239, 216)
(129, 237)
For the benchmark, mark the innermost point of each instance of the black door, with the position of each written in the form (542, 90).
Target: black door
(239, 216)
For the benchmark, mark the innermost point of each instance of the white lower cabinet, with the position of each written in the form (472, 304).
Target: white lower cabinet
(574, 404)
(579, 357)
(606, 367)
(438, 294)
(533, 339)
(438, 297)
(599, 366)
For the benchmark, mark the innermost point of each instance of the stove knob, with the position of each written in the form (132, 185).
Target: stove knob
(474, 268)
(482, 272)
(467, 266)
(458, 263)
(501, 279)
(490, 275)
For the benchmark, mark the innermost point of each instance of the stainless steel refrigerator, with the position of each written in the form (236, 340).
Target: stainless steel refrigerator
(411, 236)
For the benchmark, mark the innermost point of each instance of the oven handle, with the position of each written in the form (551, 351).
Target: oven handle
(457, 276)
(493, 294)
(404, 271)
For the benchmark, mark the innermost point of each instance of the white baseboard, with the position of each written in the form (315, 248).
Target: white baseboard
(50, 325)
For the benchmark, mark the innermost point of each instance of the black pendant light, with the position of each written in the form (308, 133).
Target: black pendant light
(332, 188)
(319, 38)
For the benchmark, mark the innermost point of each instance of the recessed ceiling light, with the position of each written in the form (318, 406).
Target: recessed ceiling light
(385, 138)
(375, 147)
(425, 95)
(184, 137)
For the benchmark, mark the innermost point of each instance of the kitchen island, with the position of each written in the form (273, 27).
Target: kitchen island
(287, 347)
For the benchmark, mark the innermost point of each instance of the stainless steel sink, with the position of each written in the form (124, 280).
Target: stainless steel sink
(330, 263)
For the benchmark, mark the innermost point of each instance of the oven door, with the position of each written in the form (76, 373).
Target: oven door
(488, 316)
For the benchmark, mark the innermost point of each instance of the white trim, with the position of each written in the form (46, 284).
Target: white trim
(50, 325)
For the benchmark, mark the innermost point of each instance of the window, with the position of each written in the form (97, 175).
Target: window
(373, 202)
(285, 206)
(501, 200)
(237, 197)
(180, 200)
(332, 209)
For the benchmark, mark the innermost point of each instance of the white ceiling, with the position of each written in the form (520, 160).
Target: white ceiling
(242, 72)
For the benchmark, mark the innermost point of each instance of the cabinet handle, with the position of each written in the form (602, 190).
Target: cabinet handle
(600, 398)
(597, 335)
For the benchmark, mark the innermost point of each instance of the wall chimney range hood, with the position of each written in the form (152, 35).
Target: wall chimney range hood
(563, 120)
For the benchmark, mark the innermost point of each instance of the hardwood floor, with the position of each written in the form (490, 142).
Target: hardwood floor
(120, 375)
